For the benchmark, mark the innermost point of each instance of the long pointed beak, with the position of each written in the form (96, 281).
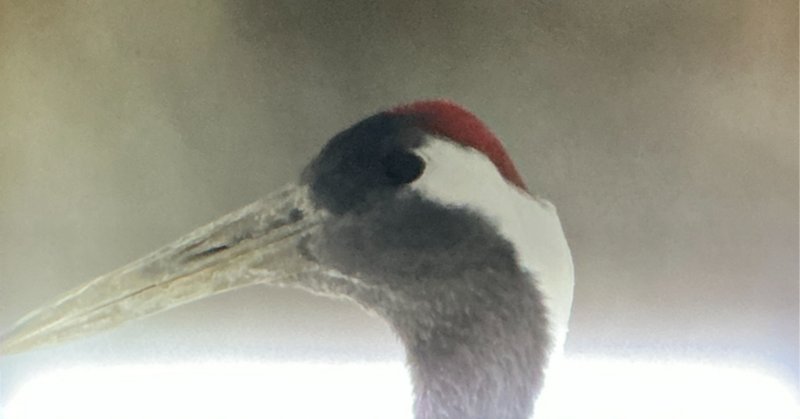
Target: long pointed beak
(260, 243)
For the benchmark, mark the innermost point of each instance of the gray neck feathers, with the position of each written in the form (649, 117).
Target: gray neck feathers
(473, 323)
(482, 360)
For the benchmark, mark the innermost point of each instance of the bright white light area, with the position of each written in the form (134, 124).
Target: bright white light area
(216, 390)
(585, 388)
(622, 389)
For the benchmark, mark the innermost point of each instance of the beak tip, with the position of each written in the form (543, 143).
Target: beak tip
(7, 346)
(12, 343)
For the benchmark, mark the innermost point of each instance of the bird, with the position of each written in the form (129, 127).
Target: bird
(415, 213)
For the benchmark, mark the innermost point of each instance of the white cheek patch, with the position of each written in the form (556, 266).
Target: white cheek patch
(463, 177)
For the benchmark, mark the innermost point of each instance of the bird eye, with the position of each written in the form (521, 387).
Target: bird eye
(402, 167)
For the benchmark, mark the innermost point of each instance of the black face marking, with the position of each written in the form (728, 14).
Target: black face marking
(403, 167)
(350, 173)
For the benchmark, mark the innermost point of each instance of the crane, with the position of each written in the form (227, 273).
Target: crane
(418, 215)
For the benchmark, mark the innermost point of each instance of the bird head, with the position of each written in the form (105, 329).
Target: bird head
(416, 213)
(400, 189)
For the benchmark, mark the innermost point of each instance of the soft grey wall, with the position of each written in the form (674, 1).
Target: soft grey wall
(665, 131)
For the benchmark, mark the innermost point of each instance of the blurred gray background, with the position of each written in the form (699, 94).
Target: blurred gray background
(666, 132)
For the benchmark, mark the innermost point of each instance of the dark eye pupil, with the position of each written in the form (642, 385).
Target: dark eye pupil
(403, 167)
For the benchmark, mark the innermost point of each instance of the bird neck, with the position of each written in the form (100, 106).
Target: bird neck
(483, 360)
